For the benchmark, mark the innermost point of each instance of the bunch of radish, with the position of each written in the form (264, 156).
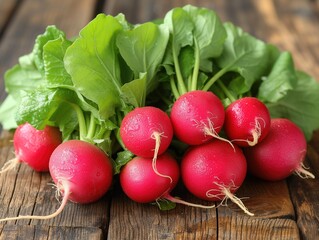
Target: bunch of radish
(213, 167)
(101, 95)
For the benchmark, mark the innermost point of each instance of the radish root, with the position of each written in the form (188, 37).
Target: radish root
(302, 172)
(256, 133)
(180, 201)
(9, 165)
(210, 131)
(157, 136)
(226, 192)
(67, 193)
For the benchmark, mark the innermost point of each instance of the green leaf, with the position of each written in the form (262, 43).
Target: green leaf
(143, 49)
(123, 157)
(243, 54)
(281, 79)
(18, 78)
(134, 92)
(53, 54)
(181, 28)
(300, 105)
(93, 63)
(7, 113)
(50, 33)
(164, 204)
(209, 33)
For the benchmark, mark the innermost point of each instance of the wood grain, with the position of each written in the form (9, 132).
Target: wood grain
(145, 221)
(7, 9)
(44, 232)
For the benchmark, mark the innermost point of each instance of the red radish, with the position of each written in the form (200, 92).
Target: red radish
(197, 117)
(147, 132)
(247, 121)
(280, 154)
(141, 184)
(214, 171)
(82, 173)
(34, 147)
(141, 128)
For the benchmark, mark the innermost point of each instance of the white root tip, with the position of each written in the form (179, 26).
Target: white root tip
(210, 131)
(180, 201)
(157, 136)
(56, 213)
(237, 201)
(10, 165)
(225, 194)
(303, 173)
(256, 136)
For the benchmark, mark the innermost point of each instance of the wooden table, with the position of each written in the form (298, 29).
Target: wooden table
(283, 210)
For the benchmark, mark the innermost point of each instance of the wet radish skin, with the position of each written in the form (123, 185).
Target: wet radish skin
(141, 184)
(85, 168)
(34, 147)
(138, 127)
(280, 153)
(214, 162)
(240, 120)
(194, 110)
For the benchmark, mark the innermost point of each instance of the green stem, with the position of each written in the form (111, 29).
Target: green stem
(81, 119)
(211, 81)
(180, 82)
(225, 90)
(92, 127)
(196, 67)
(174, 88)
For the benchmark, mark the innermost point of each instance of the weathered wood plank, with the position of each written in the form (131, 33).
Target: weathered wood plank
(146, 221)
(264, 199)
(44, 232)
(232, 226)
(7, 9)
(304, 194)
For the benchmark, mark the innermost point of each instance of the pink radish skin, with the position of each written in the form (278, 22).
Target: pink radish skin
(280, 154)
(141, 184)
(214, 171)
(34, 147)
(84, 168)
(197, 117)
(247, 121)
(145, 129)
(82, 173)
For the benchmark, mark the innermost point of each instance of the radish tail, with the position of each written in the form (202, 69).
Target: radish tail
(9, 165)
(303, 173)
(56, 213)
(179, 201)
(157, 136)
(210, 131)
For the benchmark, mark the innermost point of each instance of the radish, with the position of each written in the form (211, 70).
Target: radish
(214, 171)
(247, 121)
(280, 154)
(33, 147)
(197, 116)
(141, 184)
(147, 132)
(82, 173)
